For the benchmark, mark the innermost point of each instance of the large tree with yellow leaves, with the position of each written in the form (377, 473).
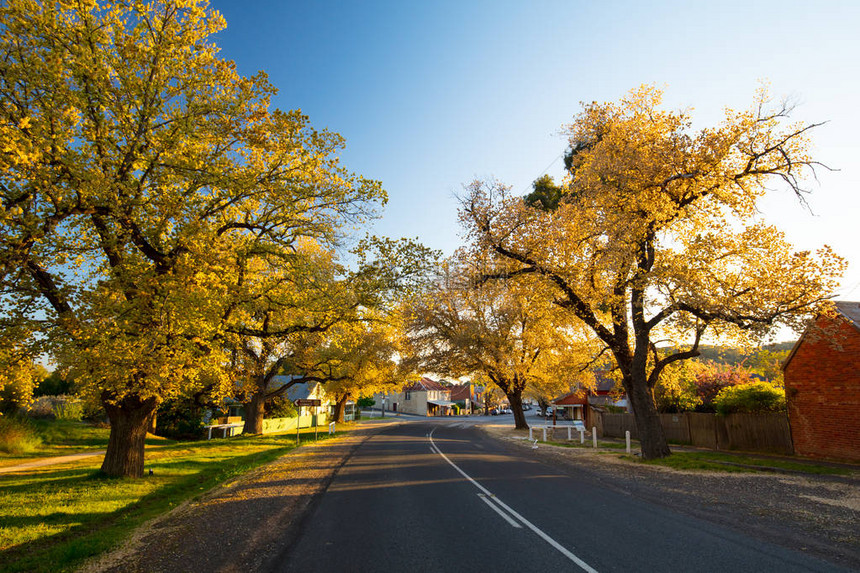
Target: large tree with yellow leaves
(494, 331)
(655, 235)
(134, 165)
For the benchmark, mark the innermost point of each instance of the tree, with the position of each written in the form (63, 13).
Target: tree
(493, 329)
(135, 164)
(304, 314)
(657, 237)
(362, 361)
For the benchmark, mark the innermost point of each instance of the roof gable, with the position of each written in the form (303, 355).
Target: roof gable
(426, 384)
(847, 310)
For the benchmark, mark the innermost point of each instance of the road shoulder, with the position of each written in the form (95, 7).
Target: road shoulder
(242, 525)
(810, 513)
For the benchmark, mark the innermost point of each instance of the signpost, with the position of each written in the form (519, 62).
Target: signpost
(312, 402)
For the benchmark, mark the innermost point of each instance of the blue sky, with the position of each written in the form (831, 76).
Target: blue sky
(431, 95)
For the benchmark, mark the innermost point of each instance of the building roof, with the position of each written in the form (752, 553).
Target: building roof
(461, 392)
(298, 391)
(426, 384)
(850, 310)
(572, 398)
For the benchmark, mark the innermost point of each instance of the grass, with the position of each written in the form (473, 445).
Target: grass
(716, 461)
(55, 518)
(18, 436)
(63, 437)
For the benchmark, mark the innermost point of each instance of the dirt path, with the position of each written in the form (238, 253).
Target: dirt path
(242, 526)
(53, 460)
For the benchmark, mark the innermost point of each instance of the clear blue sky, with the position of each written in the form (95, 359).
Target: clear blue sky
(431, 95)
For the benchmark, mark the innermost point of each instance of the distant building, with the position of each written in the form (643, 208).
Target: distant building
(425, 398)
(822, 386)
(577, 405)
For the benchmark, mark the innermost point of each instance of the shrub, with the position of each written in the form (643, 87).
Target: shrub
(180, 419)
(365, 402)
(17, 435)
(279, 407)
(750, 398)
(68, 409)
(60, 407)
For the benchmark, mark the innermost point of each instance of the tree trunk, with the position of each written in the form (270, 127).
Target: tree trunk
(340, 408)
(254, 414)
(651, 435)
(130, 419)
(516, 401)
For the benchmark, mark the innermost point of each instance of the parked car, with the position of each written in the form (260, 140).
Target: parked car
(526, 407)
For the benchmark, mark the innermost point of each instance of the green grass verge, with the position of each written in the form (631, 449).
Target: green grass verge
(55, 518)
(64, 437)
(715, 461)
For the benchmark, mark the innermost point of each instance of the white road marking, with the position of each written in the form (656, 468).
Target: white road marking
(561, 549)
(499, 511)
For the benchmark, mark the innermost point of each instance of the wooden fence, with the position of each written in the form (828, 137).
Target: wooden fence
(746, 432)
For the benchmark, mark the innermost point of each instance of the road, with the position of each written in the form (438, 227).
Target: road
(442, 496)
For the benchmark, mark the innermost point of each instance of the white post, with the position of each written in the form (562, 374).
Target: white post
(627, 440)
(594, 436)
(582, 435)
(544, 434)
(531, 438)
(569, 435)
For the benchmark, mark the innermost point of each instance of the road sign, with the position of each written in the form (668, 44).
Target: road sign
(309, 402)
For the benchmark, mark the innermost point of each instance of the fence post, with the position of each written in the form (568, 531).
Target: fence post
(627, 440)
(544, 433)
(569, 435)
(594, 436)
(582, 435)
(530, 434)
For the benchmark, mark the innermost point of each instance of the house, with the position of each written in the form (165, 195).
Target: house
(466, 397)
(822, 385)
(577, 405)
(425, 398)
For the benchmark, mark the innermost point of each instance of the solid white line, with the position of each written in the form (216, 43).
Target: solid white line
(563, 550)
(499, 511)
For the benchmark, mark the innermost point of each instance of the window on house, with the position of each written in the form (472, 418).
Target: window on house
(408, 396)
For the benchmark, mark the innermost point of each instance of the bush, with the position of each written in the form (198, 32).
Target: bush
(180, 419)
(279, 407)
(68, 409)
(365, 402)
(60, 407)
(750, 398)
(53, 385)
(17, 435)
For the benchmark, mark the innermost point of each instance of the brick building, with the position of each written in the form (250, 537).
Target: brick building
(822, 386)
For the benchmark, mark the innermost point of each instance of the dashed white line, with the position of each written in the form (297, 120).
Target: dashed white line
(558, 546)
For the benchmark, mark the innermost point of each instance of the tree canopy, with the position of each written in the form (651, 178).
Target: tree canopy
(137, 167)
(496, 331)
(656, 235)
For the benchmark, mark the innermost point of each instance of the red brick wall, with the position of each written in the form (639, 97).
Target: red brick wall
(822, 384)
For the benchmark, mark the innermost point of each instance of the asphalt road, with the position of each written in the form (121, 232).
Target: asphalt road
(442, 496)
